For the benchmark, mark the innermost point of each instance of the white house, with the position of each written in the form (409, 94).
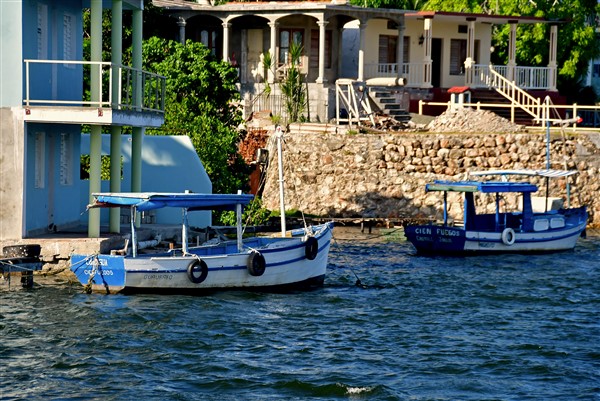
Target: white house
(423, 53)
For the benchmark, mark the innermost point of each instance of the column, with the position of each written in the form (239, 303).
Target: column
(470, 61)
(321, 77)
(138, 132)
(400, 52)
(226, 28)
(273, 52)
(552, 58)
(512, 51)
(116, 41)
(361, 51)
(181, 23)
(96, 130)
(427, 27)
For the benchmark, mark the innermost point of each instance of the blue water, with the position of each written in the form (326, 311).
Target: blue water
(508, 327)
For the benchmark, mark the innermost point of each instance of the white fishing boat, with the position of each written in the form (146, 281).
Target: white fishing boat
(297, 259)
(540, 224)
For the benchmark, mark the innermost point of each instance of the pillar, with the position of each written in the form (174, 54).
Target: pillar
(400, 51)
(96, 130)
(361, 51)
(321, 77)
(181, 23)
(552, 58)
(116, 41)
(470, 61)
(427, 36)
(512, 51)
(273, 52)
(226, 29)
(138, 132)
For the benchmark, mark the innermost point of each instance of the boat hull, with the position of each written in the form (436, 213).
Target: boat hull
(289, 263)
(439, 239)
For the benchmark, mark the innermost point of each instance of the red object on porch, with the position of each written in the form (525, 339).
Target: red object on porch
(459, 89)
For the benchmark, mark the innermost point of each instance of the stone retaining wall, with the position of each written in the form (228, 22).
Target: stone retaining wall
(370, 175)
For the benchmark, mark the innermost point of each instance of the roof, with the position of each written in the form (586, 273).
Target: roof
(478, 186)
(549, 173)
(144, 201)
(485, 18)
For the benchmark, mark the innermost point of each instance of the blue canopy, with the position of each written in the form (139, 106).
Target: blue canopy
(144, 201)
(477, 186)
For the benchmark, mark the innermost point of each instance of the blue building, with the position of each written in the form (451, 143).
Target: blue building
(43, 106)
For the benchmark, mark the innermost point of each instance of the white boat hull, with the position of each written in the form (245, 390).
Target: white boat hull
(286, 265)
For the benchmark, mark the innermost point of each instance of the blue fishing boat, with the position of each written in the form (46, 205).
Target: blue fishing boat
(295, 260)
(541, 224)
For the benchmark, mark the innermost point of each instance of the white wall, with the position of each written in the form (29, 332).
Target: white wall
(169, 164)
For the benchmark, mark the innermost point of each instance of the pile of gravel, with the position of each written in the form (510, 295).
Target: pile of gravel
(470, 120)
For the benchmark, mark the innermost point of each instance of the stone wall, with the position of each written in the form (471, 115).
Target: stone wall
(384, 175)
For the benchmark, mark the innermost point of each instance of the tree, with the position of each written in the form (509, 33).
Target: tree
(199, 102)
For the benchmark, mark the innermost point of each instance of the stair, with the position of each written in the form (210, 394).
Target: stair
(389, 101)
(486, 96)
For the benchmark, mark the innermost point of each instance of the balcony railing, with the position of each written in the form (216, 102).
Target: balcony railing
(528, 78)
(68, 83)
(411, 72)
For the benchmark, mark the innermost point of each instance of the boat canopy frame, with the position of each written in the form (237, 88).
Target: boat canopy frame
(187, 201)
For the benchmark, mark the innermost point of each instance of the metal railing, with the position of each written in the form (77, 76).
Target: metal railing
(68, 83)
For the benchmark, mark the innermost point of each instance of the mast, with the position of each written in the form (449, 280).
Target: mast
(279, 136)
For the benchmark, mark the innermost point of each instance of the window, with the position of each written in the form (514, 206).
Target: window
(387, 49)
(69, 43)
(209, 39)
(314, 49)
(458, 55)
(287, 36)
(40, 160)
(42, 31)
(66, 159)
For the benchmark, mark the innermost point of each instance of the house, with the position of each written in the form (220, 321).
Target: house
(399, 56)
(43, 80)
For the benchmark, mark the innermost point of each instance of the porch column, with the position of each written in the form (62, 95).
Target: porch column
(96, 130)
(400, 52)
(470, 61)
(226, 26)
(427, 31)
(273, 52)
(361, 51)
(321, 77)
(552, 58)
(138, 132)
(512, 51)
(181, 23)
(116, 41)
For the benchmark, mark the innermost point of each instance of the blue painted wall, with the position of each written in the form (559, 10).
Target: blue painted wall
(53, 31)
(52, 194)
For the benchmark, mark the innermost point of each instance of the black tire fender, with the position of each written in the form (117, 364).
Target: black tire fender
(256, 264)
(311, 248)
(22, 251)
(197, 266)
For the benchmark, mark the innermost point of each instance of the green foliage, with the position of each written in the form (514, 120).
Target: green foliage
(293, 86)
(393, 4)
(200, 96)
(254, 215)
